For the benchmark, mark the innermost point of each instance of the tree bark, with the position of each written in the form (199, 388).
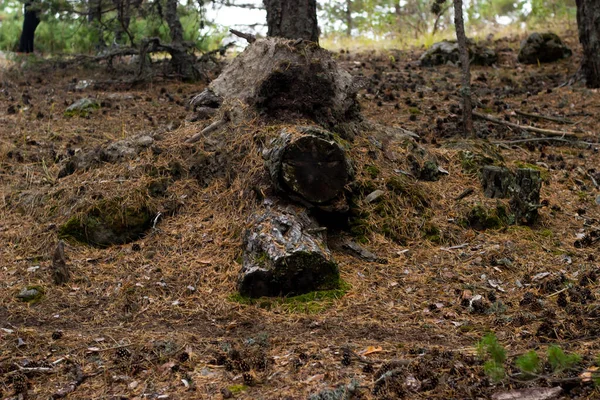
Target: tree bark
(588, 21)
(466, 68)
(182, 62)
(30, 23)
(349, 22)
(292, 19)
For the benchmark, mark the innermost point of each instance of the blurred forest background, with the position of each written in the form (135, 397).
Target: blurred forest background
(89, 27)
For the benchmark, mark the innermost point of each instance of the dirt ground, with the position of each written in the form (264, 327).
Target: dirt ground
(158, 317)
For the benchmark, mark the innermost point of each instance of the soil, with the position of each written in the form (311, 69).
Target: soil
(159, 317)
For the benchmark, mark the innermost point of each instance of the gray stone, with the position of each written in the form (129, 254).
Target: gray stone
(31, 294)
(373, 196)
(446, 52)
(85, 104)
(282, 257)
(543, 48)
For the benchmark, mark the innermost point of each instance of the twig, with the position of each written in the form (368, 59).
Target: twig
(524, 127)
(210, 128)
(369, 361)
(542, 139)
(250, 38)
(548, 118)
(464, 194)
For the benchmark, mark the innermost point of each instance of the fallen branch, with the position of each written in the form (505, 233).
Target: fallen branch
(250, 38)
(548, 132)
(548, 118)
(210, 128)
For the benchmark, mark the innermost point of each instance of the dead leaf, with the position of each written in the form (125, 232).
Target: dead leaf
(371, 350)
(586, 376)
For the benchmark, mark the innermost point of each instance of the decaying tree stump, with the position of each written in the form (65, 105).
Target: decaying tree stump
(290, 80)
(308, 164)
(497, 182)
(285, 253)
(525, 200)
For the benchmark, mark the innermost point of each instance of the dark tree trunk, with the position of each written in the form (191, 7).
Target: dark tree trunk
(292, 19)
(95, 19)
(181, 60)
(588, 20)
(349, 22)
(30, 23)
(123, 19)
(466, 68)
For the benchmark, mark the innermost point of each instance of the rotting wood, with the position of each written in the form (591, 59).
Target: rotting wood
(249, 38)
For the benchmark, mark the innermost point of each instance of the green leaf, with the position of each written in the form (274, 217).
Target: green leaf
(528, 362)
(489, 346)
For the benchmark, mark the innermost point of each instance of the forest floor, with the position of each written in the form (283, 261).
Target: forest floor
(158, 318)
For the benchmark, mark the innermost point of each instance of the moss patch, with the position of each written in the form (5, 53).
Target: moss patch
(412, 191)
(309, 303)
(108, 222)
(544, 173)
(481, 218)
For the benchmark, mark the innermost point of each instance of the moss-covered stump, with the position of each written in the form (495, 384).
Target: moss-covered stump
(309, 165)
(497, 182)
(290, 80)
(284, 254)
(525, 200)
(108, 222)
(543, 48)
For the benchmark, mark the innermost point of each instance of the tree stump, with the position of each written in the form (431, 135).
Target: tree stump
(525, 199)
(290, 80)
(308, 164)
(285, 254)
(497, 182)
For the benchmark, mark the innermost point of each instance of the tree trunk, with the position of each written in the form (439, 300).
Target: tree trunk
(95, 20)
(525, 200)
(123, 19)
(285, 253)
(349, 23)
(466, 68)
(308, 165)
(588, 20)
(30, 23)
(182, 61)
(292, 19)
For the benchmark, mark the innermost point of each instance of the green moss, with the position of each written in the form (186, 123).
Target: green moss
(414, 111)
(401, 185)
(544, 173)
(237, 389)
(432, 233)
(309, 303)
(481, 218)
(547, 233)
(373, 171)
(106, 223)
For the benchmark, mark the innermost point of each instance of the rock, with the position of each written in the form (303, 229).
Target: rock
(446, 51)
(308, 164)
(497, 182)
(114, 152)
(525, 200)
(598, 199)
(290, 79)
(342, 392)
(538, 393)
(82, 107)
(374, 196)
(281, 257)
(108, 222)
(543, 48)
(206, 99)
(31, 294)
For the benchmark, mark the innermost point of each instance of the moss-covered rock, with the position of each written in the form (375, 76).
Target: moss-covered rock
(108, 222)
(481, 218)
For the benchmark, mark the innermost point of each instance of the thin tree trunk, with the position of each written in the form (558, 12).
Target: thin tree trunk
(349, 23)
(588, 21)
(30, 23)
(466, 68)
(292, 19)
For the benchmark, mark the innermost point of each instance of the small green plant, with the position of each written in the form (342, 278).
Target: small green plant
(494, 353)
(559, 360)
(528, 363)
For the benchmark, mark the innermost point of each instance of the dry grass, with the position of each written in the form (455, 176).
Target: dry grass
(174, 295)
